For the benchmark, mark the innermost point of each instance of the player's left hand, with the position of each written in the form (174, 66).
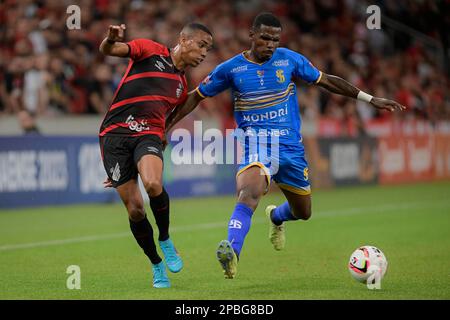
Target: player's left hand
(116, 33)
(386, 104)
(107, 183)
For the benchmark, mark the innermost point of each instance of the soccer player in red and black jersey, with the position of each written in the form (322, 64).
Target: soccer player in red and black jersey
(132, 131)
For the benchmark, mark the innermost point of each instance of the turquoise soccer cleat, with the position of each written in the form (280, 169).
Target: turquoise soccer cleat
(171, 256)
(160, 278)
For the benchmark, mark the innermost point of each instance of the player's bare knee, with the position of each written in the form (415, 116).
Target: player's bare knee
(135, 212)
(303, 213)
(307, 214)
(153, 187)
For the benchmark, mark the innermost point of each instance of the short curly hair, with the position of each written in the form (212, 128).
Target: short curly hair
(267, 19)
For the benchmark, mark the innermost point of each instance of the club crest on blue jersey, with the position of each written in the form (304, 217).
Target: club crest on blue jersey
(280, 76)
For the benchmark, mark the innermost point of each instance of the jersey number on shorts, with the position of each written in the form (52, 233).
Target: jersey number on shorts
(253, 157)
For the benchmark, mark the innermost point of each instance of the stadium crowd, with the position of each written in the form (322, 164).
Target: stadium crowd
(49, 70)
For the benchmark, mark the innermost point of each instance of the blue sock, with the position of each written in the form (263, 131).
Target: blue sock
(282, 213)
(239, 226)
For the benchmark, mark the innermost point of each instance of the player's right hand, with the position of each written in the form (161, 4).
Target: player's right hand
(116, 33)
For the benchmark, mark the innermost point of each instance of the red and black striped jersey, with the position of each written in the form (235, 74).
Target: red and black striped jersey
(150, 88)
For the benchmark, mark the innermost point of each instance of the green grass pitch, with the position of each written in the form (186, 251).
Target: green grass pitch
(410, 223)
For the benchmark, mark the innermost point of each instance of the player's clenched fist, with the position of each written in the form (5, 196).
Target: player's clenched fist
(116, 33)
(113, 44)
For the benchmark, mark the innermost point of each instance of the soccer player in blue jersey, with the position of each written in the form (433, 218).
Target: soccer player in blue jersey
(265, 103)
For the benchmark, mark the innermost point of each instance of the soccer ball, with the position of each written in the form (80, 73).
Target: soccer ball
(367, 261)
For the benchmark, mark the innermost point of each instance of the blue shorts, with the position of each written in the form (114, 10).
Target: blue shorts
(287, 166)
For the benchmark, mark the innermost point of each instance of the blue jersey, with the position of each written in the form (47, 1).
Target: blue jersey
(264, 95)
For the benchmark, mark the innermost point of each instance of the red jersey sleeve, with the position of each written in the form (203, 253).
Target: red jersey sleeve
(142, 48)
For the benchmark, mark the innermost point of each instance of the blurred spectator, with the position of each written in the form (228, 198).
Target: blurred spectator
(35, 91)
(100, 89)
(27, 122)
(58, 87)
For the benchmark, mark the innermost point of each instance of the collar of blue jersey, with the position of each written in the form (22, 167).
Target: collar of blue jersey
(260, 64)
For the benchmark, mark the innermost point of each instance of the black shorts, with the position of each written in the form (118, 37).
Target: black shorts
(121, 154)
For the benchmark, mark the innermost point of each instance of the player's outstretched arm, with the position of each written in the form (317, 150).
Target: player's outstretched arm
(340, 86)
(112, 45)
(183, 110)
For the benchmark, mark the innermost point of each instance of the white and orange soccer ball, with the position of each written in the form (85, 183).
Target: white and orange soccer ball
(368, 264)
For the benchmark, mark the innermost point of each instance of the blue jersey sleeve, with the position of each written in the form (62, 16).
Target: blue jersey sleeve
(304, 69)
(216, 82)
